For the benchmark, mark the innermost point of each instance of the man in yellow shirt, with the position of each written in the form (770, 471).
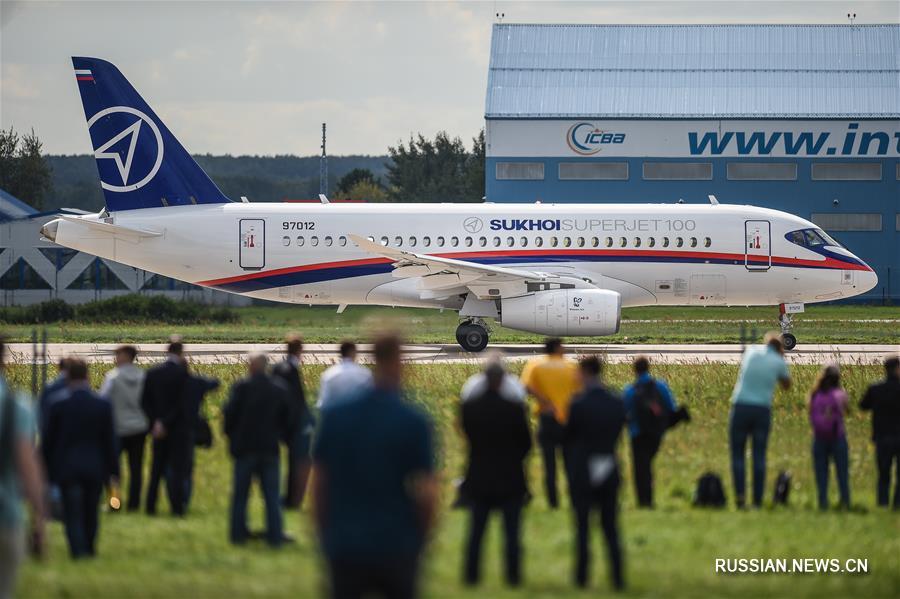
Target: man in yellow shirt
(553, 381)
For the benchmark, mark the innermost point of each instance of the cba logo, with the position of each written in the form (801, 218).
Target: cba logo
(587, 140)
(120, 148)
(473, 224)
(576, 301)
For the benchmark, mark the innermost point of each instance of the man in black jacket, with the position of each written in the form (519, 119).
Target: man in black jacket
(883, 399)
(596, 420)
(256, 419)
(182, 438)
(161, 401)
(299, 436)
(496, 427)
(79, 447)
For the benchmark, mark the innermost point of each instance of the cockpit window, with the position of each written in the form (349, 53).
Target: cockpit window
(811, 238)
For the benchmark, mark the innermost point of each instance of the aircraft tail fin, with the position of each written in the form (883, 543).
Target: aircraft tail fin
(140, 163)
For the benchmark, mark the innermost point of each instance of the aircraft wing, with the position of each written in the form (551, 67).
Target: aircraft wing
(440, 277)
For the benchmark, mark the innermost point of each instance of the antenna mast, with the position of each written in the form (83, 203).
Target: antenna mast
(323, 167)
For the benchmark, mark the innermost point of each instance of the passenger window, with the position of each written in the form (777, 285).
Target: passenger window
(496, 242)
(440, 242)
(623, 242)
(426, 241)
(554, 241)
(665, 242)
(482, 241)
(328, 241)
(523, 242)
(342, 241)
(510, 242)
(384, 240)
(300, 241)
(679, 242)
(651, 242)
(707, 242)
(567, 242)
(693, 242)
(398, 241)
(454, 241)
(637, 242)
(285, 241)
(581, 242)
(595, 242)
(539, 241)
(412, 242)
(609, 241)
(314, 241)
(468, 242)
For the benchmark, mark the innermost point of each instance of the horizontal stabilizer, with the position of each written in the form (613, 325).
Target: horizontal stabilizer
(127, 233)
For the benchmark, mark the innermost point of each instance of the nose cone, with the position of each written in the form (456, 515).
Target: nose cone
(49, 229)
(866, 280)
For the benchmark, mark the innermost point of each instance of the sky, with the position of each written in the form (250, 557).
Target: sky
(261, 77)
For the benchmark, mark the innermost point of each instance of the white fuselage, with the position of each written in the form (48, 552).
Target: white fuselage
(650, 253)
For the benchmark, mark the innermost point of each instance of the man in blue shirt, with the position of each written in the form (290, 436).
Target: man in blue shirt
(649, 406)
(20, 475)
(751, 414)
(374, 488)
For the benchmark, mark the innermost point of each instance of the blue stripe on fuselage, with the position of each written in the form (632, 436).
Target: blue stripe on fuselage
(333, 273)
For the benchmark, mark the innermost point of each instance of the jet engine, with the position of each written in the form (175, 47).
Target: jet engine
(573, 312)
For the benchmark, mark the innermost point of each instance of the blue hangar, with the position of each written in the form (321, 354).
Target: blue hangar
(800, 118)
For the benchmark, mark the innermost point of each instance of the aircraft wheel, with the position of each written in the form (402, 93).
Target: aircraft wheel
(472, 337)
(789, 341)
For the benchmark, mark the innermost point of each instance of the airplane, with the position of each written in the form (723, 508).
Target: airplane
(562, 270)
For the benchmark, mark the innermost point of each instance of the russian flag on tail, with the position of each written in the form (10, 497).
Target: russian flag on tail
(84, 75)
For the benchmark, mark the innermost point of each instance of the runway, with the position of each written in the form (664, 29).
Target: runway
(317, 353)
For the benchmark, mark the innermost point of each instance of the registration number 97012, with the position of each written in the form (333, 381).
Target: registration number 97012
(298, 225)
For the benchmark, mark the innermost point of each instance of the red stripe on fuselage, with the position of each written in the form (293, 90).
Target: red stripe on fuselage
(536, 253)
(292, 269)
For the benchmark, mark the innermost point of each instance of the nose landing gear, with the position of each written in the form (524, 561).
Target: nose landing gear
(472, 335)
(786, 320)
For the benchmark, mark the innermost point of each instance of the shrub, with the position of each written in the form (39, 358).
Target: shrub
(50, 311)
(131, 308)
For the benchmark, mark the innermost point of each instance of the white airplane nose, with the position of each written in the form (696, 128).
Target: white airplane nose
(866, 280)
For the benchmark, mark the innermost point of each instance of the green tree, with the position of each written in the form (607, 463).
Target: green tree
(439, 170)
(366, 191)
(351, 179)
(24, 171)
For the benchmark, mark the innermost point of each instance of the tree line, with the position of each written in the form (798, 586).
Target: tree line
(439, 169)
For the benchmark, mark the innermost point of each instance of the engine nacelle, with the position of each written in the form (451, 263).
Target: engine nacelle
(573, 312)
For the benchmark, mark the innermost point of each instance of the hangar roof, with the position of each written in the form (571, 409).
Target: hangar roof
(694, 71)
(12, 207)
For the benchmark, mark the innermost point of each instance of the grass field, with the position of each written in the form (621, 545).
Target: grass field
(669, 551)
(258, 324)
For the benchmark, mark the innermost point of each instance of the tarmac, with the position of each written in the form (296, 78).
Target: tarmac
(435, 353)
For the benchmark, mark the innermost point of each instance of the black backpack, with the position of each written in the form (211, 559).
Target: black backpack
(651, 413)
(782, 488)
(710, 492)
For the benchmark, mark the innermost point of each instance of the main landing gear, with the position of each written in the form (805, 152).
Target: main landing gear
(472, 335)
(786, 320)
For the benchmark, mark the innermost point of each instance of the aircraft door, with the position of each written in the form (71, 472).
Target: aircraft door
(252, 243)
(757, 245)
